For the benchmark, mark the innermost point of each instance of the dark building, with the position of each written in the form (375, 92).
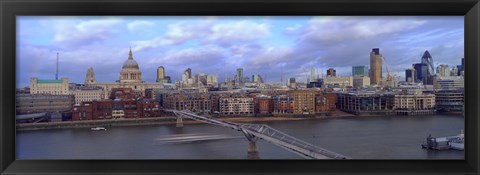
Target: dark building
(410, 75)
(325, 102)
(195, 102)
(421, 70)
(450, 100)
(331, 72)
(315, 84)
(263, 104)
(282, 104)
(366, 103)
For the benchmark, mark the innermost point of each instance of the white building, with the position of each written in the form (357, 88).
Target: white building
(54, 87)
(85, 94)
(338, 80)
(361, 81)
(130, 77)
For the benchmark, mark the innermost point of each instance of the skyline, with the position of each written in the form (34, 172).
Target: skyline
(259, 45)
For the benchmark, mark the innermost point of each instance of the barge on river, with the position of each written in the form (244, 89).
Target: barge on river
(445, 143)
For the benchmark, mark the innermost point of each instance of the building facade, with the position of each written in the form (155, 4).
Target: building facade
(38, 103)
(340, 81)
(53, 87)
(375, 66)
(303, 101)
(88, 93)
(365, 103)
(359, 71)
(361, 81)
(282, 104)
(236, 106)
(263, 104)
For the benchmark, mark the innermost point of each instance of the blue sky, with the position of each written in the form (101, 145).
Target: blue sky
(220, 45)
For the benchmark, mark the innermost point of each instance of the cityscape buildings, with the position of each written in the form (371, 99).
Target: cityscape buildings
(131, 97)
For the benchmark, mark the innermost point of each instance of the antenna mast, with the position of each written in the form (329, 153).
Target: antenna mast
(56, 74)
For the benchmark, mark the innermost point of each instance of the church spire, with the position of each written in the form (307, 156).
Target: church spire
(130, 55)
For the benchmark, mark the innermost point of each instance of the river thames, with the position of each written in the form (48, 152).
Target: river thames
(391, 137)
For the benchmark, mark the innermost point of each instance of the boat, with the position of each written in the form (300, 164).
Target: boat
(445, 143)
(98, 129)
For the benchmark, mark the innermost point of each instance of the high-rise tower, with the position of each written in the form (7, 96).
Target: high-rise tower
(90, 79)
(160, 74)
(427, 59)
(375, 66)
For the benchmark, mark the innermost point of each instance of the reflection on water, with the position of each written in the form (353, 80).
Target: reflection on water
(398, 137)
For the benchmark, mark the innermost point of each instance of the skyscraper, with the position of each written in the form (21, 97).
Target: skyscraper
(422, 71)
(427, 59)
(331, 72)
(160, 74)
(312, 75)
(358, 71)
(375, 66)
(239, 76)
(410, 75)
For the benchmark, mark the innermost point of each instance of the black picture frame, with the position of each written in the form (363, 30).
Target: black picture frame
(11, 8)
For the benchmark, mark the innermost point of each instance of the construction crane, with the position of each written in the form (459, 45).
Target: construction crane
(389, 78)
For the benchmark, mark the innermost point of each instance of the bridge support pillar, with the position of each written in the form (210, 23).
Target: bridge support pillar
(252, 147)
(179, 122)
(252, 150)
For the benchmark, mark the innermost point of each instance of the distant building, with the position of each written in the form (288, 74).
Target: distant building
(312, 75)
(212, 80)
(161, 74)
(366, 103)
(361, 81)
(410, 75)
(282, 104)
(443, 70)
(239, 77)
(263, 104)
(358, 71)
(422, 71)
(53, 87)
(454, 71)
(292, 83)
(236, 106)
(130, 77)
(375, 66)
(325, 102)
(450, 100)
(331, 72)
(38, 103)
(449, 82)
(340, 81)
(88, 93)
(427, 59)
(303, 101)
(196, 102)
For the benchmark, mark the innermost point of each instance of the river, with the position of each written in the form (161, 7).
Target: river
(390, 137)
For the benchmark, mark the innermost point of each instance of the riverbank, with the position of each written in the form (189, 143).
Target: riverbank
(167, 120)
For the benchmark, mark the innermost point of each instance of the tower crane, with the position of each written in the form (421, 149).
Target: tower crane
(389, 78)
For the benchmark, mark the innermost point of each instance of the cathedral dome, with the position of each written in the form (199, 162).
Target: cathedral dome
(130, 63)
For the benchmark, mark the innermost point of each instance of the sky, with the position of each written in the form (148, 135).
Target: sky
(261, 45)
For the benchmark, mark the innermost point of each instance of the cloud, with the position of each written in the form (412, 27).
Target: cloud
(210, 31)
(230, 32)
(339, 29)
(139, 25)
(86, 32)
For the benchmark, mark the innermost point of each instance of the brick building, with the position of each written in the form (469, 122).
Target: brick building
(263, 104)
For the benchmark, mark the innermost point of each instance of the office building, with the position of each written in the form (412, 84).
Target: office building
(443, 70)
(161, 74)
(358, 71)
(331, 72)
(375, 66)
(361, 81)
(427, 59)
(410, 75)
(53, 87)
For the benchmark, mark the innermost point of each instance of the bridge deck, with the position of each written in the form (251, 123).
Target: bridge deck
(269, 134)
